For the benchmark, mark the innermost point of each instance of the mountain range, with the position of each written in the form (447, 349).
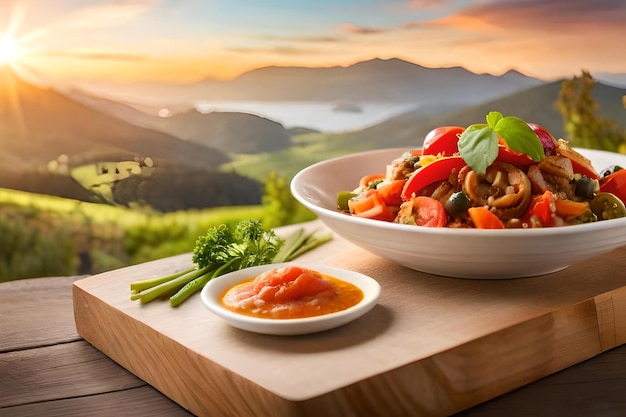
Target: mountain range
(534, 104)
(376, 80)
(38, 124)
(229, 132)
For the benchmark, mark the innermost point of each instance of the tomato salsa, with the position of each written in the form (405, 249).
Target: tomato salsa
(290, 292)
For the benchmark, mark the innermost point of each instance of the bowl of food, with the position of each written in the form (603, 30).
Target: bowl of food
(540, 227)
(290, 299)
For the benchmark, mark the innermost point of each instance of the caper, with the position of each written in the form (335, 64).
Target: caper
(586, 187)
(457, 204)
(607, 206)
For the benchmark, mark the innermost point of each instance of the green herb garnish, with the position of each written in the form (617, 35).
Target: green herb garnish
(478, 144)
(222, 250)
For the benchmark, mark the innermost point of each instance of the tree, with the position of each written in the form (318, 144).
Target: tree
(584, 127)
(279, 206)
(31, 248)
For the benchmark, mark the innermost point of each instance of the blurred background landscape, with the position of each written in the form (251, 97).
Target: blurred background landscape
(127, 128)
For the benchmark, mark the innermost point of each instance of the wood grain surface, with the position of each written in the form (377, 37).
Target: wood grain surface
(432, 346)
(47, 369)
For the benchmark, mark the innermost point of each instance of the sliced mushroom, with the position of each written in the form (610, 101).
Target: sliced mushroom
(505, 189)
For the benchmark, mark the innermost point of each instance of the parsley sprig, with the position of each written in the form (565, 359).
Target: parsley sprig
(478, 144)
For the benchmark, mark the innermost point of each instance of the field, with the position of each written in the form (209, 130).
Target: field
(44, 235)
(307, 149)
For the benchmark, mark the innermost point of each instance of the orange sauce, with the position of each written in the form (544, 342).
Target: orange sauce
(290, 292)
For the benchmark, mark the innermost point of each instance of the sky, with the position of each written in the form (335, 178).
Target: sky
(191, 40)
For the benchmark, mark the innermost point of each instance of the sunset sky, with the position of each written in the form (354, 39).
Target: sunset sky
(188, 40)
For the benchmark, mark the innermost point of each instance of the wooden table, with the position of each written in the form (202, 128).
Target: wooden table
(47, 369)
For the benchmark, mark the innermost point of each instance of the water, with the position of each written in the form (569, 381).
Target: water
(322, 116)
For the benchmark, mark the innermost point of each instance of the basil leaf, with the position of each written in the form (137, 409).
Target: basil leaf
(493, 117)
(478, 146)
(520, 137)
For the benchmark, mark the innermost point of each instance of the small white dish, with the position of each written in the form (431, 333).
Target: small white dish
(214, 289)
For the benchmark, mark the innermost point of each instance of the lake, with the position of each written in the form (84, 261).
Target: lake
(323, 116)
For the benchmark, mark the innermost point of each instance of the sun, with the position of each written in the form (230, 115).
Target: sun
(9, 51)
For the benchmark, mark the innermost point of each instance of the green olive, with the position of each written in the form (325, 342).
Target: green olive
(607, 206)
(342, 199)
(457, 204)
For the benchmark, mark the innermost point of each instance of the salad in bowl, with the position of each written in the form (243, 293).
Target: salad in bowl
(497, 200)
(476, 178)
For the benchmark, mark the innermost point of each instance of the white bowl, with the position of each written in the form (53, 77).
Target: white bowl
(212, 291)
(462, 253)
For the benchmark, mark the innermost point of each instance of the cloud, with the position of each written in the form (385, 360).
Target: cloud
(543, 38)
(352, 28)
(545, 16)
(426, 4)
(301, 39)
(549, 14)
(279, 50)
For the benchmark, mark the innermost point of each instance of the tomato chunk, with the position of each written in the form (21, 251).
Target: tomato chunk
(371, 206)
(292, 283)
(391, 192)
(423, 211)
(429, 212)
(543, 208)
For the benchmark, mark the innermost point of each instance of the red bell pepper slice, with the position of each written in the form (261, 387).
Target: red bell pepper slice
(438, 170)
(517, 159)
(615, 184)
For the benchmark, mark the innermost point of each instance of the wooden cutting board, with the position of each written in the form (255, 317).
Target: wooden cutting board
(432, 345)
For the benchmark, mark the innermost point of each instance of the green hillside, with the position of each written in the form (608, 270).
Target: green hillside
(46, 236)
(536, 104)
